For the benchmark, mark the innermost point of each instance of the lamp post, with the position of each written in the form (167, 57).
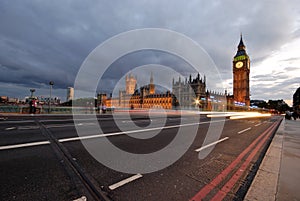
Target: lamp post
(197, 103)
(32, 91)
(51, 83)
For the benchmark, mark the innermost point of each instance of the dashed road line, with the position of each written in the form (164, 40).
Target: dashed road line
(16, 121)
(28, 127)
(211, 144)
(242, 131)
(59, 125)
(133, 131)
(82, 198)
(257, 125)
(10, 128)
(136, 120)
(30, 144)
(125, 181)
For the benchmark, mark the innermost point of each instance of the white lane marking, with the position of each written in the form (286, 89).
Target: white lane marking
(30, 144)
(10, 128)
(15, 122)
(68, 125)
(125, 181)
(132, 131)
(86, 124)
(59, 126)
(242, 131)
(257, 125)
(211, 144)
(86, 119)
(56, 120)
(28, 127)
(83, 198)
(139, 120)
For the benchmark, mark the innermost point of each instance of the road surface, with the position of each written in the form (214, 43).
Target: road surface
(43, 158)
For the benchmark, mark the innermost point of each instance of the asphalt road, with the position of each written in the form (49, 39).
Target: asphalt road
(43, 157)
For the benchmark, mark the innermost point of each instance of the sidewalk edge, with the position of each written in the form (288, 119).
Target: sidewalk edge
(264, 185)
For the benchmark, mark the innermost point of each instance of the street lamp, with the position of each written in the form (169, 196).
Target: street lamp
(197, 103)
(32, 91)
(51, 83)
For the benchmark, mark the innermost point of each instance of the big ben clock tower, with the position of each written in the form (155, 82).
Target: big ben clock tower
(241, 71)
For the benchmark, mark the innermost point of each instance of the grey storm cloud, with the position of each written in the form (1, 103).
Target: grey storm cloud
(291, 68)
(49, 40)
(272, 77)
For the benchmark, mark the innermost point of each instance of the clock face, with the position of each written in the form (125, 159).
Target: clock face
(239, 64)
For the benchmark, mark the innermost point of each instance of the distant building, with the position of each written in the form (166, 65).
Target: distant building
(241, 72)
(13, 100)
(189, 91)
(192, 93)
(101, 99)
(296, 100)
(8, 100)
(144, 97)
(3, 99)
(45, 100)
(188, 94)
(70, 93)
(142, 100)
(130, 84)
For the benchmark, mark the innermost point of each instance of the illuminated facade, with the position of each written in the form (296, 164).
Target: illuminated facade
(188, 91)
(144, 97)
(241, 72)
(130, 84)
(188, 94)
(192, 94)
(70, 93)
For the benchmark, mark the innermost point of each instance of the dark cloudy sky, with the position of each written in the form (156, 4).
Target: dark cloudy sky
(49, 40)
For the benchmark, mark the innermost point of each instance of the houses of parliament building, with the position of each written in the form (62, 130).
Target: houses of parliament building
(189, 93)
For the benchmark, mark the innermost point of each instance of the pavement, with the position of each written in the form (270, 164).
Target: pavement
(278, 176)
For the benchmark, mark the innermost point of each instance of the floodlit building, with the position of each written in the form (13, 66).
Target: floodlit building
(144, 97)
(241, 76)
(191, 93)
(70, 93)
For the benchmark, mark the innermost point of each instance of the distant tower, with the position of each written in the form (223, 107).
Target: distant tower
(241, 72)
(70, 93)
(151, 85)
(130, 84)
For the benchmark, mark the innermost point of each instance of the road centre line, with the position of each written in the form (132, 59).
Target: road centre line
(211, 144)
(30, 144)
(68, 125)
(125, 181)
(242, 131)
(28, 127)
(10, 128)
(16, 121)
(141, 120)
(133, 131)
(59, 126)
(257, 125)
